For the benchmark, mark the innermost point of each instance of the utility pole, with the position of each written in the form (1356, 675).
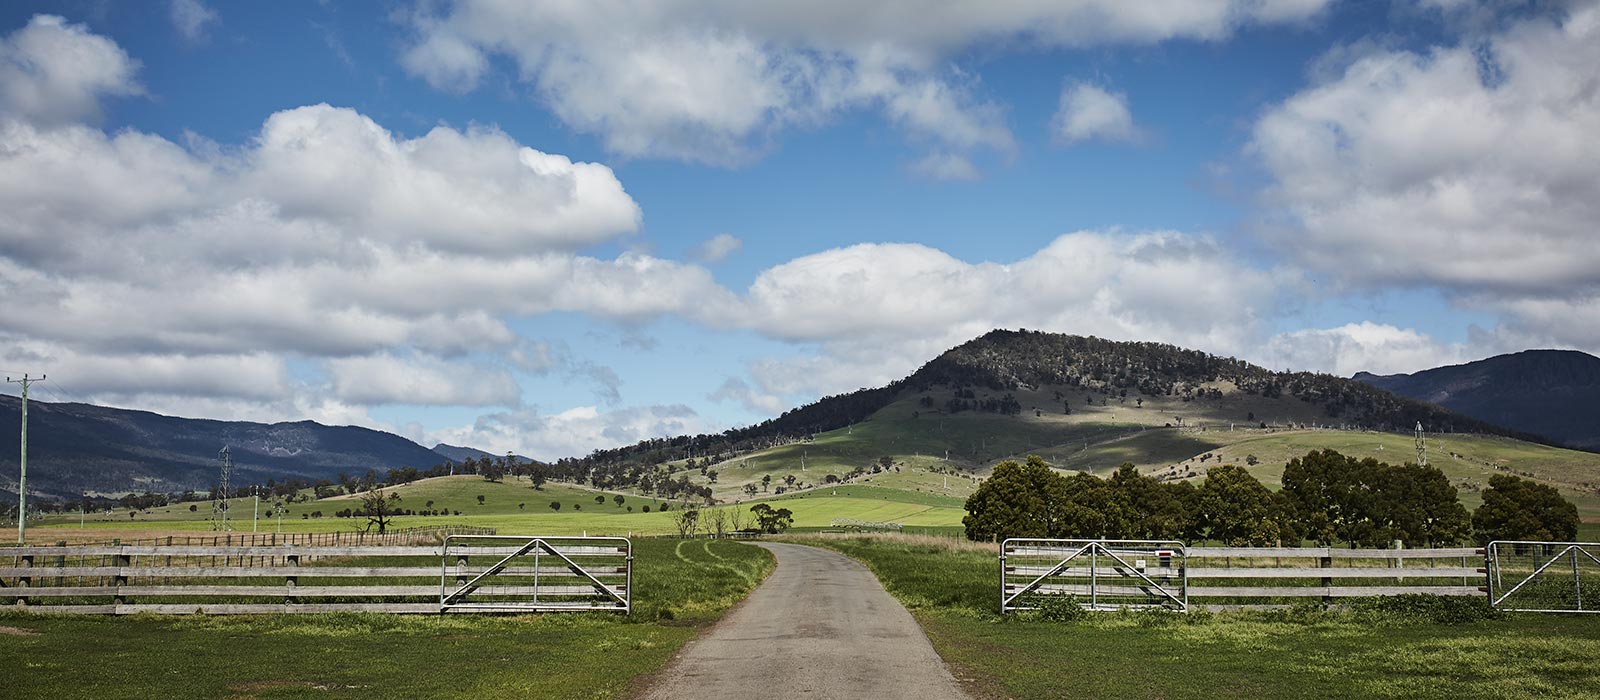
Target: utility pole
(22, 474)
(255, 515)
(1422, 447)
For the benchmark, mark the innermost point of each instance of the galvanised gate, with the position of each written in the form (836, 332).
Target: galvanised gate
(1100, 574)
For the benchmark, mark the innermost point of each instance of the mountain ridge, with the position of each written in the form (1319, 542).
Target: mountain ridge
(74, 447)
(1551, 393)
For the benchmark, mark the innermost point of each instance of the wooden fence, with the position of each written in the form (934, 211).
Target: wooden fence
(393, 536)
(1248, 577)
(183, 579)
(1145, 574)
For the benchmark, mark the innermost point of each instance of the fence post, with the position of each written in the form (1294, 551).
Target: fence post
(1577, 583)
(290, 581)
(123, 560)
(1326, 562)
(25, 581)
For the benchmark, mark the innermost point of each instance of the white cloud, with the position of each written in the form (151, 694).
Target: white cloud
(53, 72)
(192, 19)
(151, 272)
(735, 389)
(1474, 168)
(716, 248)
(1088, 112)
(422, 381)
(575, 431)
(1475, 171)
(945, 166)
(713, 82)
(1359, 347)
(879, 310)
(255, 376)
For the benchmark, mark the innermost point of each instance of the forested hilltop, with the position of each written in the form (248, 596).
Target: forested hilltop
(1004, 361)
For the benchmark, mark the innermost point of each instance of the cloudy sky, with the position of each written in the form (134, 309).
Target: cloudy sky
(554, 226)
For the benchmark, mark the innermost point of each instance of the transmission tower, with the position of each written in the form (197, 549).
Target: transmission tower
(1422, 447)
(219, 505)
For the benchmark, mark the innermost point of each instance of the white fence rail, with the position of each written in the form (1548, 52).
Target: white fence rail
(178, 579)
(1230, 577)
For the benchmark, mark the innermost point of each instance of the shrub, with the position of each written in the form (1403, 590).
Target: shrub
(1418, 607)
(1062, 608)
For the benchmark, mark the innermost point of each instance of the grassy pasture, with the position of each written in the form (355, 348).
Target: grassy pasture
(1377, 652)
(813, 509)
(680, 586)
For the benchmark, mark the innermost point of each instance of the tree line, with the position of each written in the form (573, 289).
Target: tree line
(1327, 498)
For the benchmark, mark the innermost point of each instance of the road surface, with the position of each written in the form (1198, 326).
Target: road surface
(821, 626)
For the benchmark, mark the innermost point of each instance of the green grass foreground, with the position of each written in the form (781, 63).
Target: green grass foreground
(1384, 648)
(680, 585)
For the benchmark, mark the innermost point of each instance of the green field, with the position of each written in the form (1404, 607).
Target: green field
(814, 509)
(680, 585)
(1384, 650)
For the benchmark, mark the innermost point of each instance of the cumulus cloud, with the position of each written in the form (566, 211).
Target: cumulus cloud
(387, 264)
(1088, 112)
(737, 390)
(574, 431)
(1470, 167)
(713, 82)
(295, 242)
(426, 381)
(1359, 347)
(716, 248)
(192, 18)
(879, 310)
(53, 72)
(945, 166)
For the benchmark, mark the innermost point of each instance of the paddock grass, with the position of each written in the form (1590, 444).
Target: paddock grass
(681, 585)
(579, 513)
(1390, 648)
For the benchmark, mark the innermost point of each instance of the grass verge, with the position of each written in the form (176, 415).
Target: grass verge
(1382, 648)
(679, 587)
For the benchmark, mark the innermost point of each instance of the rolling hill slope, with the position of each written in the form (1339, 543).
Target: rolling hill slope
(1089, 404)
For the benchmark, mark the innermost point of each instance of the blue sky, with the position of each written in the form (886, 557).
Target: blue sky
(782, 200)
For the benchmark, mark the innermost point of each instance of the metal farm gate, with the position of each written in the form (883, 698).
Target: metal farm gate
(502, 573)
(1100, 574)
(1544, 576)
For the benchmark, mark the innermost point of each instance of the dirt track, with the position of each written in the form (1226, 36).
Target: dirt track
(821, 626)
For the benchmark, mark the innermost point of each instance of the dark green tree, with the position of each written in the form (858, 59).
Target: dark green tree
(1091, 509)
(1158, 511)
(1238, 511)
(772, 520)
(1518, 509)
(1334, 497)
(1418, 506)
(1017, 500)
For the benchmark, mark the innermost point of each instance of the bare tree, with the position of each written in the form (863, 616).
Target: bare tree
(687, 520)
(717, 522)
(380, 508)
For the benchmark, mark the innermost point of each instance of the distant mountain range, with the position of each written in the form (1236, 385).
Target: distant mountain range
(74, 447)
(1551, 393)
(461, 454)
